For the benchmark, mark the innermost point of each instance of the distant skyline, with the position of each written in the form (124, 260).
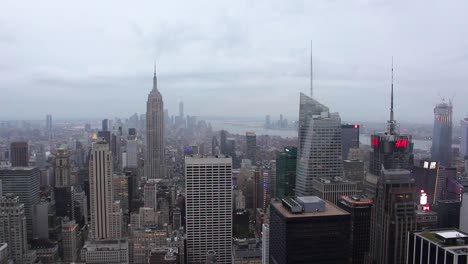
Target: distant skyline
(92, 59)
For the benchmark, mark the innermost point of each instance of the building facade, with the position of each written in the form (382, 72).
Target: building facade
(464, 138)
(441, 149)
(331, 189)
(62, 168)
(349, 138)
(208, 208)
(251, 140)
(19, 154)
(286, 162)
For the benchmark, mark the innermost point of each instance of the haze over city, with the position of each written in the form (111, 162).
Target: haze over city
(238, 59)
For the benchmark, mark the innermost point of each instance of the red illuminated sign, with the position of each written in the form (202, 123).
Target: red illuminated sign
(426, 208)
(401, 143)
(375, 142)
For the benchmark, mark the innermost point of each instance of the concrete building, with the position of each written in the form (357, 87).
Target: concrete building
(437, 246)
(265, 244)
(19, 154)
(62, 168)
(246, 251)
(208, 208)
(70, 241)
(319, 153)
(150, 194)
(23, 182)
(164, 255)
(331, 189)
(154, 163)
(132, 152)
(13, 229)
(106, 215)
(308, 230)
(464, 213)
(3, 253)
(441, 149)
(142, 241)
(105, 251)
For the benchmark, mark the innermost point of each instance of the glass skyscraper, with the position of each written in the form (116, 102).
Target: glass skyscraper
(286, 162)
(320, 153)
(442, 134)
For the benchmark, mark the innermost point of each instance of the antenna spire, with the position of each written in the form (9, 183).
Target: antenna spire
(391, 122)
(155, 78)
(311, 72)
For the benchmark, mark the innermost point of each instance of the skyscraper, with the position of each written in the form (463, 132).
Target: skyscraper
(223, 142)
(208, 208)
(155, 133)
(13, 229)
(106, 215)
(62, 168)
(251, 140)
(23, 182)
(320, 153)
(19, 156)
(464, 138)
(49, 126)
(105, 125)
(181, 110)
(441, 149)
(349, 138)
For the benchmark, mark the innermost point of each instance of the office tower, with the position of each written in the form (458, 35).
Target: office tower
(331, 189)
(464, 138)
(437, 246)
(360, 210)
(464, 213)
(70, 241)
(105, 125)
(223, 142)
(426, 177)
(448, 213)
(41, 220)
(181, 110)
(265, 244)
(106, 135)
(105, 251)
(150, 194)
(393, 216)
(286, 172)
(319, 144)
(106, 215)
(19, 154)
(49, 126)
(23, 182)
(267, 121)
(308, 230)
(208, 208)
(155, 133)
(349, 138)
(62, 168)
(132, 132)
(354, 170)
(214, 146)
(441, 149)
(251, 140)
(13, 229)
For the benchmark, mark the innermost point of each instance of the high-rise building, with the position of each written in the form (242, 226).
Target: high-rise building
(448, 213)
(437, 246)
(349, 138)
(150, 194)
(24, 183)
(308, 230)
(208, 208)
(155, 133)
(360, 210)
(49, 126)
(3, 253)
(13, 229)
(131, 152)
(214, 146)
(393, 216)
(105, 251)
(426, 177)
(251, 140)
(441, 149)
(464, 213)
(286, 161)
(320, 153)
(265, 244)
(106, 215)
(19, 154)
(64, 201)
(70, 241)
(105, 125)
(223, 142)
(62, 168)
(464, 138)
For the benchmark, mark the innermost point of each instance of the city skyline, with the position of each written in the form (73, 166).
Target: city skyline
(230, 54)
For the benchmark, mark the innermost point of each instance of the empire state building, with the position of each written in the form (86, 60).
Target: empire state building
(154, 164)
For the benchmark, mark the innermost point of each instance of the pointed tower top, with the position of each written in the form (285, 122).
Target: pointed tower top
(391, 122)
(311, 73)
(155, 78)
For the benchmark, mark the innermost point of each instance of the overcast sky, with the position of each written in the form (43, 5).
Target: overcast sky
(94, 59)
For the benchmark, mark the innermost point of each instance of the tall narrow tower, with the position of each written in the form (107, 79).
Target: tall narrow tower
(154, 133)
(442, 134)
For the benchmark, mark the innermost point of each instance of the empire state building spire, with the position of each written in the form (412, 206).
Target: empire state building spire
(155, 78)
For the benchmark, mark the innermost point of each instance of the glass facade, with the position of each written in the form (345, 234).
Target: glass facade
(286, 172)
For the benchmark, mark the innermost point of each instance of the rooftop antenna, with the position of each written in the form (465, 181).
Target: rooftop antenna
(155, 78)
(391, 122)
